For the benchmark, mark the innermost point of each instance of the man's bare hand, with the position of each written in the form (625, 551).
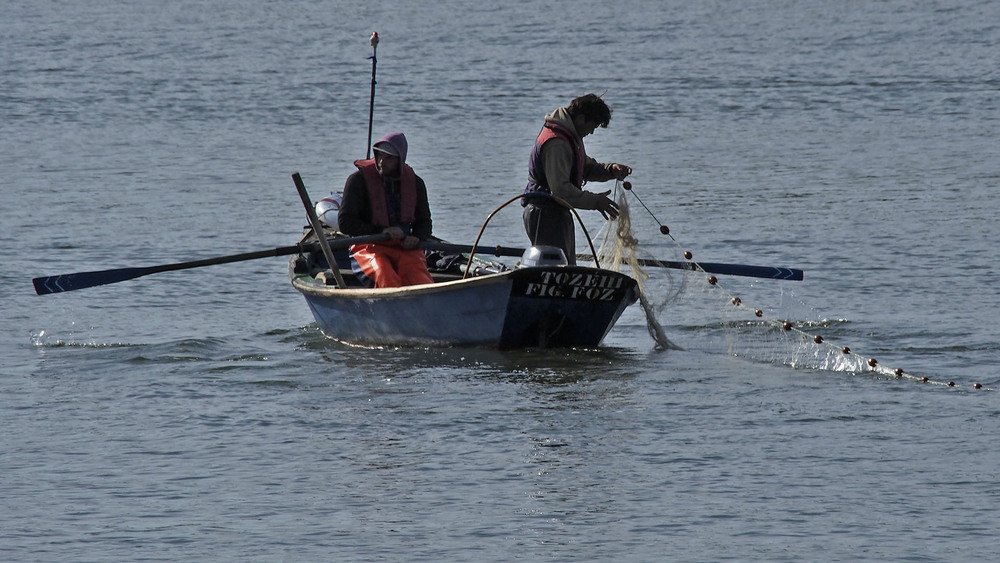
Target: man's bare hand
(607, 206)
(410, 242)
(620, 171)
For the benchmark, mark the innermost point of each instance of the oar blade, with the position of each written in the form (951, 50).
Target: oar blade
(763, 272)
(83, 280)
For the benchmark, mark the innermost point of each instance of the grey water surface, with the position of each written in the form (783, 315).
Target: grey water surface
(199, 415)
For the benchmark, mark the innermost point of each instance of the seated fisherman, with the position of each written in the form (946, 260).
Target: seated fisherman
(385, 196)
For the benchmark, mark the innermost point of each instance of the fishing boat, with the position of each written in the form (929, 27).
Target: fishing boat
(540, 302)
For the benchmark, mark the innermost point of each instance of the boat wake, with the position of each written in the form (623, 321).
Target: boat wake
(41, 339)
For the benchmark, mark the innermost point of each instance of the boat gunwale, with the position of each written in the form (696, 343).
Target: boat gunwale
(393, 292)
(315, 290)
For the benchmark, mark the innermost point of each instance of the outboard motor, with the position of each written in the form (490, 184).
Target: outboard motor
(543, 256)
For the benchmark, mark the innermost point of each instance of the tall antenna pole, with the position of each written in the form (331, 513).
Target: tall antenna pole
(371, 104)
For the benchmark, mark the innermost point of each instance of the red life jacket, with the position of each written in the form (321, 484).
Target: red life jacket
(537, 182)
(376, 193)
(554, 130)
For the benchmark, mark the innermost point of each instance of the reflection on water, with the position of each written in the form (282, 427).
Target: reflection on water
(553, 366)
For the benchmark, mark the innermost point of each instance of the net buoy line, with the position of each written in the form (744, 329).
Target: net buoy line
(619, 247)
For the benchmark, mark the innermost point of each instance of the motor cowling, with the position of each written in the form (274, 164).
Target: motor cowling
(543, 256)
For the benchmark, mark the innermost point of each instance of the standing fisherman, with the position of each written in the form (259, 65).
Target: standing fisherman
(559, 166)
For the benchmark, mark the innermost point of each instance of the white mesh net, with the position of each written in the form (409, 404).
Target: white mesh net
(619, 247)
(768, 324)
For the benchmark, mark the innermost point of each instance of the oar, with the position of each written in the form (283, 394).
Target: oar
(318, 228)
(83, 280)
(762, 272)
(466, 248)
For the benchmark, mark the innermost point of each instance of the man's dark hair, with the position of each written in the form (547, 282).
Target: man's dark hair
(592, 108)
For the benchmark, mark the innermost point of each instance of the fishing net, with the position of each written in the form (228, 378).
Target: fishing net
(618, 246)
(757, 320)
